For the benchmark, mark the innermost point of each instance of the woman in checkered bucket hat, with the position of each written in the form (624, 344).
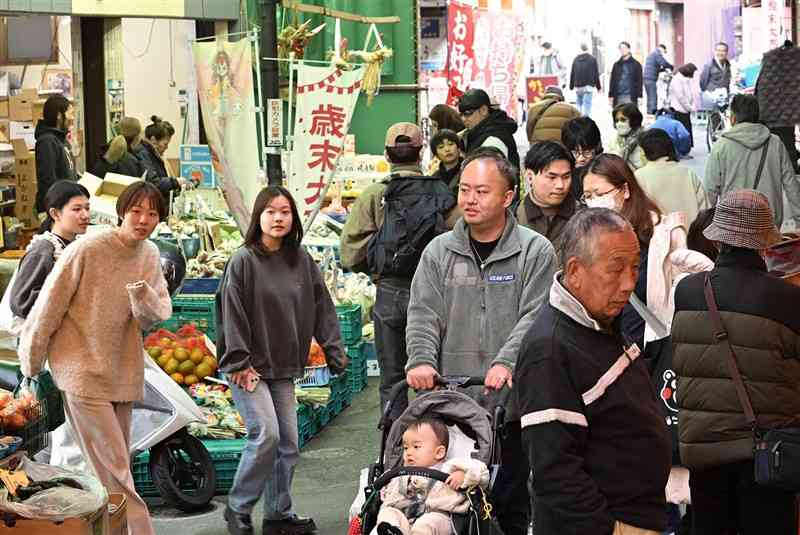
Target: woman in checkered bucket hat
(743, 218)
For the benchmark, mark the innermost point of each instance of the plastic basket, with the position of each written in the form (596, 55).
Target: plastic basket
(349, 323)
(314, 376)
(206, 285)
(34, 434)
(199, 310)
(358, 381)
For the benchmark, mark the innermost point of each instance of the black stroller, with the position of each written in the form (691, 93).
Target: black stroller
(454, 408)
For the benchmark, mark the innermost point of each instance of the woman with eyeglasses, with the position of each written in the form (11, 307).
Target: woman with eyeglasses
(610, 183)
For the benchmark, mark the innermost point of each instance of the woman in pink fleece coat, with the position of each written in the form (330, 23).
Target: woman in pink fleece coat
(87, 322)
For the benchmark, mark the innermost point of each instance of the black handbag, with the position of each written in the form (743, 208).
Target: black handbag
(776, 452)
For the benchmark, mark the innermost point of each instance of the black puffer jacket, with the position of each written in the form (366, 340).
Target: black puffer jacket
(759, 312)
(54, 160)
(498, 124)
(157, 170)
(129, 165)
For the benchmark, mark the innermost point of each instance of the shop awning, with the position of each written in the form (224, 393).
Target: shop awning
(180, 9)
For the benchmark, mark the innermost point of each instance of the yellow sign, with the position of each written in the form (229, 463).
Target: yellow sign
(137, 8)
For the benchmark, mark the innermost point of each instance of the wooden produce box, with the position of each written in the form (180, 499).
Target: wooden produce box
(118, 518)
(95, 524)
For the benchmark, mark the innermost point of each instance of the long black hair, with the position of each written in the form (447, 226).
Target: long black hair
(291, 242)
(58, 196)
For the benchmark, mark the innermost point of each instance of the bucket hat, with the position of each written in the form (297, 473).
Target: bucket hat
(744, 219)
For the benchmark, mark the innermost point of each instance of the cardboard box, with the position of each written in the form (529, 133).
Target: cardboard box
(24, 131)
(24, 164)
(20, 107)
(38, 110)
(4, 108)
(5, 129)
(94, 524)
(117, 514)
(104, 194)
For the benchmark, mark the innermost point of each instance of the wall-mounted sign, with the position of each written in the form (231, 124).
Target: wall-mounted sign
(274, 122)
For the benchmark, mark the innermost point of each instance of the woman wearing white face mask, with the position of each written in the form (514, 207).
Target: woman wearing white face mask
(627, 125)
(610, 183)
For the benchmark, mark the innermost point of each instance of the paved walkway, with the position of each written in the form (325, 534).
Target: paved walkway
(325, 480)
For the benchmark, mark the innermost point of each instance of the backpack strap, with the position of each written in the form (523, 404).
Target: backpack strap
(535, 121)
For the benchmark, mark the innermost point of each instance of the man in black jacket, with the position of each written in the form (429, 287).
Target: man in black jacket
(487, 125)
(626, 78)
(584, 78)
(54, 160)
(591, 423)
(716, 76)
(654, 64)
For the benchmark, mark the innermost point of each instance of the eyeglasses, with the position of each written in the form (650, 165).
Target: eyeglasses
(583, 154)
(585, 197)
(467, 113)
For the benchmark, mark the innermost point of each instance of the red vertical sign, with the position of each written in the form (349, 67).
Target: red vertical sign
(460, 51)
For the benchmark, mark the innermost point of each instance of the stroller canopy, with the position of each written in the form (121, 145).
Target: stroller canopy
(450, 406)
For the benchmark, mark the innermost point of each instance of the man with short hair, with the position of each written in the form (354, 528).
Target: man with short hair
(626, 78)
(716, 76)
(546, 117)
(654, 64)
(737, 156)
(549, 203)
(582, 138)
(475, 293)
(584, 78)
(366, 246)
(487, 125)
(591, 424)
(550, 63)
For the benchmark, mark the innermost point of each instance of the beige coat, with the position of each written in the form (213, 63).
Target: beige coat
(675, 188)
(438, 497)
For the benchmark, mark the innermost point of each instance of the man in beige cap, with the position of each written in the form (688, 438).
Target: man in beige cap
(758, 312)
(387, 229)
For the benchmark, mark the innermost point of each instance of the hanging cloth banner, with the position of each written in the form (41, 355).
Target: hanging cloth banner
(226, 93)
(326, 98)
(485, 50)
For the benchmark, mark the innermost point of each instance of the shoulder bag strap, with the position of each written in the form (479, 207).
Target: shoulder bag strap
(721, 335)
(660, 330)
(762, 162)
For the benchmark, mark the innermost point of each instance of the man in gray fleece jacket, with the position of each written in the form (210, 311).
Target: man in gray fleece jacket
(735, 160)
(476, 292)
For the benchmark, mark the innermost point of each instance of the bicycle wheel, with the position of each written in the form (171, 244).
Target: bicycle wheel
(713, 127)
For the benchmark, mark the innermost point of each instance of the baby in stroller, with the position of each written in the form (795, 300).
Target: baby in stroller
(414, 505)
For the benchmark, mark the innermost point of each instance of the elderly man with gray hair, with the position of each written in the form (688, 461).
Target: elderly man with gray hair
(591, 424)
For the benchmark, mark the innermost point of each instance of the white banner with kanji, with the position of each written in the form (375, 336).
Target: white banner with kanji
(326, 98)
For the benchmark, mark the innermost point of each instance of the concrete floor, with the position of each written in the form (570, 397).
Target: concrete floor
(325, 481)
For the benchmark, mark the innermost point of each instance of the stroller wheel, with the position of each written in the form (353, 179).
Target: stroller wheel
(183, 472)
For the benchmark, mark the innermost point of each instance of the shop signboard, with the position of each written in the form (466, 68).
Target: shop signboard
(536, 85)
(485, 49)
(274, 122)
(326, 98)
(197, 165)
(772, 12)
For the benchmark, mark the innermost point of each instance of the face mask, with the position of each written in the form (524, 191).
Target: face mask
(623, 128)
(606, 201)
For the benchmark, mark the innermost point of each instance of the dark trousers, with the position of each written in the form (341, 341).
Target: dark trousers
(726, 500)
(786, 133)
(686, 120)
(651, 88)
(510, 497)
(389, 316)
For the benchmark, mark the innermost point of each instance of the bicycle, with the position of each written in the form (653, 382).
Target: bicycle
(717, 117)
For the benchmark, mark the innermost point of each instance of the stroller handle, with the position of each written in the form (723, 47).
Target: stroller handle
(384, 480)
(447, 381)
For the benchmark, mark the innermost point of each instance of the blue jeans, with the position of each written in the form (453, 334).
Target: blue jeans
(584, 99)
(272, 449)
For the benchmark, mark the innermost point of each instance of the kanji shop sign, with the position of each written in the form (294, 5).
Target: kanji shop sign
(773, 12)
(326, 98)
(484, 51)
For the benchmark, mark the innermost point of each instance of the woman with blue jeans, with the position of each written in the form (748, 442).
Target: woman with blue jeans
(272, 300)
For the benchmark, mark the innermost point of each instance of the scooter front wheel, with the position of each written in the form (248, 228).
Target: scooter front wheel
(183, 472)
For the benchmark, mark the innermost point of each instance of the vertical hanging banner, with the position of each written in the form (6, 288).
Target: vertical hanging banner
(485, 50)
(326, 98)
(460, 51)
(772, 12)
(227, 102)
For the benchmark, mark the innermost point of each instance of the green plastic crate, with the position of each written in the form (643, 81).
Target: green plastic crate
(357, 357)
(349, 323)
(358, 381)
(199, 310)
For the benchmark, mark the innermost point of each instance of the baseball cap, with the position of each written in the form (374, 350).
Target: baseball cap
(409, 130)
(473, 99)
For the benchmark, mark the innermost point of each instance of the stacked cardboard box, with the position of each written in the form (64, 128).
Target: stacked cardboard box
(20, 114)
(24, 182)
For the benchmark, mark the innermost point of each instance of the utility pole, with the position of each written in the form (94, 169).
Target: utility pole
(270, 86)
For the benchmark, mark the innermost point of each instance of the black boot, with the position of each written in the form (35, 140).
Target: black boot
(238, 523)
(294, 525)
(385, 528)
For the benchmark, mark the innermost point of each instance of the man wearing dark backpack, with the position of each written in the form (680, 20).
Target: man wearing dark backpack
(387, 229)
